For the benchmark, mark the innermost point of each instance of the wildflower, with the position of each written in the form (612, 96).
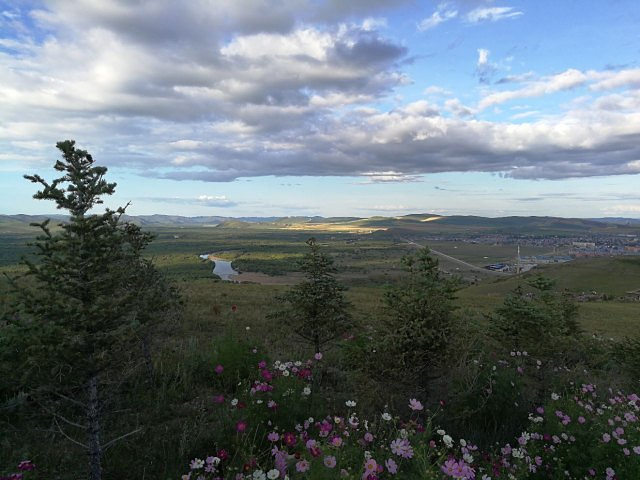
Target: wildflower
(273, 437)
(555, 396)
(234, 402)
(330, 461)
(219, 369)
(610, 472)
(318, 356)
(289, 439)
(402, 448)
(241, 426)
(234, 307)
(196, 464)
(368, 437)
(386, 416)
(636, 450)
(370, 467)
(302, 466)
(448, 441)
(350, 403)
(273, 474)
(415, 404)
(259, 475)
(218, 399)
(392, 467)
(26, 465)
(606, 437)
(306, 391)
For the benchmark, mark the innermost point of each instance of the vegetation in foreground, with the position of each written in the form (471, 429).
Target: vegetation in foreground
(406, 385)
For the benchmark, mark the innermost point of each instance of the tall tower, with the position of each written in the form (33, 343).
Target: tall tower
(519, 265)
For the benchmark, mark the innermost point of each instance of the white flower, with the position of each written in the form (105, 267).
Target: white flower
(306, 391)
(448, 441)
(234, 402)
(282, 367)
(517, 453)
(350, 403)
(273, 474)
(259, 475)
(386, 416)
(367, 454)
(285, 373)
(440, 432)
(467, 457)
(463, 442)
(555, 396)
(297, 363)
(258, 402)
(310, 420)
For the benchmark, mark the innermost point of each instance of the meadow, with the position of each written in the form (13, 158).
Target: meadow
(363, 416)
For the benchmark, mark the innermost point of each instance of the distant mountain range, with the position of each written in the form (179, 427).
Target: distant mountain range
(412, 222)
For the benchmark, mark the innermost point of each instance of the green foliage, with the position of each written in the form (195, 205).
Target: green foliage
(85, 298)
(317, 310)
(420, 318)
(534, 317)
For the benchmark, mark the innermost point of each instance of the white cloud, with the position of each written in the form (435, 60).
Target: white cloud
(563, 81)
(491, 14)
(443, 13)
(483, 56)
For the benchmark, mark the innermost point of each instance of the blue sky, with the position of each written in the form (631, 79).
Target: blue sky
(334, 108)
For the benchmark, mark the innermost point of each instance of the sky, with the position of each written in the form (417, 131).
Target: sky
(331, 108)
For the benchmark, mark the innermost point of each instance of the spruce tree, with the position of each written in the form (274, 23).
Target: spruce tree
(74, 317)
(316, 309)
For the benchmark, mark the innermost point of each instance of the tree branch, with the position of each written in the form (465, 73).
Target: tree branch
(67, 436)
(121, 437)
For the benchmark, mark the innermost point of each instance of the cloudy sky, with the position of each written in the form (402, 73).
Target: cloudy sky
(328, 107)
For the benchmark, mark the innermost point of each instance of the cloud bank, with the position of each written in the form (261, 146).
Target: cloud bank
(215, 91)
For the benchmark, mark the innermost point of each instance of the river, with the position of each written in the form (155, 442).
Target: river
(222, 268)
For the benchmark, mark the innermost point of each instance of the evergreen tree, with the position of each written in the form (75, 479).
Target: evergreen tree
(75, 317)
(533, 317)
(420, 320)
(316, 308)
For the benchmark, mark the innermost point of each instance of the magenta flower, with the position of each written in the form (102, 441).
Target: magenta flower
(415, 404)
(318, 356)
(273, 437)
(26, 465)
(218, 399)
(241, 426)
(219, 369)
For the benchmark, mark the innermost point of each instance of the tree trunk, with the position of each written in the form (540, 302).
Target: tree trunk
(93, 421)
(146, 350)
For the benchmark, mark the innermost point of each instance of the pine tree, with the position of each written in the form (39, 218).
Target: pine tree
(317, 310)
(420, 320)
(75, 316)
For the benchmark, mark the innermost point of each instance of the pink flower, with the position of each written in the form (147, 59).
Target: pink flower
(302, 466)
(219, 369)
(26, 465)
(241, 426)
(415, 405)
(581, 419)
(392, 466)
(368, 437)
(402, 448)
(218, 399)
(370, 467)
(273, 437)
(330, 461)
(318, 356)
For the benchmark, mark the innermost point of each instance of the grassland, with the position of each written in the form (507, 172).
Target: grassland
(175, 410)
